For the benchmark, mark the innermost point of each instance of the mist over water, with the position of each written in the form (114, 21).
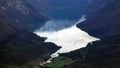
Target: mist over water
(56, 25)
(70, 38)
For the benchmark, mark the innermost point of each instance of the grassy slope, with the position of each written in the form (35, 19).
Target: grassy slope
(59, 62)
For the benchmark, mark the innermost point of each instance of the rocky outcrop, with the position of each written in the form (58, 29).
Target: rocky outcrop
(104, 22)
(22, 14)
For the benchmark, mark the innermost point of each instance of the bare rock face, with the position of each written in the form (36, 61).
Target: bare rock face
(22, 14)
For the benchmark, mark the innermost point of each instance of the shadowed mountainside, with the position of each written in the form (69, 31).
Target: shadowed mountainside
(22, 47)
(18, 46)
(5, 28)
(100, 54)
(62, 9)
(104, 22)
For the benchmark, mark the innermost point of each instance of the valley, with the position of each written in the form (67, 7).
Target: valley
(59, 34)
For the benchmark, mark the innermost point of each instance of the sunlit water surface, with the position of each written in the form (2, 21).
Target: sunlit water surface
(70, 39)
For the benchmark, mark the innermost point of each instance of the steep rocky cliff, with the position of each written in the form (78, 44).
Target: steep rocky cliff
(22, 14)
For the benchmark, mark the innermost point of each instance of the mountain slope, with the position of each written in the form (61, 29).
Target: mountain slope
(95, 6)
(18, 46)
(104, 22)
(62, 9)
(23, 47)
(100, 54)
(5, 28)
(22, 14)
